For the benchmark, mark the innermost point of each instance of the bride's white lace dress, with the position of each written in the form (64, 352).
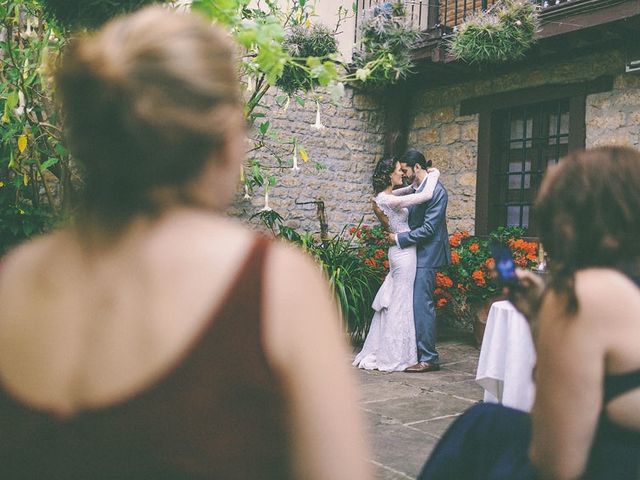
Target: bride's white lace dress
(391, 342)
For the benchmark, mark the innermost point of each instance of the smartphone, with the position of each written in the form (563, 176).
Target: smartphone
(504, 264)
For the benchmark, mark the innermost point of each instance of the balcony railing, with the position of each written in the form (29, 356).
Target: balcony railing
(445, 14)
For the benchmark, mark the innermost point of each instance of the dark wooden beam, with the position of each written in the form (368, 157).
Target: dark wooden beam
(534, 95)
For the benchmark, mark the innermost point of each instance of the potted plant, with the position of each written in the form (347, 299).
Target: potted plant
(466, 288)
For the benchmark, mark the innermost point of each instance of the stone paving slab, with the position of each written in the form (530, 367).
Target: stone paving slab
(407, 413)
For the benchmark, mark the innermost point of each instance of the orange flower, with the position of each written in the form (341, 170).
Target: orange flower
(454, 240)
(490, 263)
(441, 302)
(379, 253)
(371, 262)
(443, 281)
(478, 277)
(474, 247)
(386, 264)
(455, 257)
(438, 291)
(352, 230)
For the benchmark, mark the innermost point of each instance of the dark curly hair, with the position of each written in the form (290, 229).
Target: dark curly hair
(382, 174)
(587, 215)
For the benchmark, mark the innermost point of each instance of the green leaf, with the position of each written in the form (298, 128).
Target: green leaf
(50, 162)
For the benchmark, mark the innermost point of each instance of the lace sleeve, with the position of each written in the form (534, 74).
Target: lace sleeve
(425, 195)
(403, 191)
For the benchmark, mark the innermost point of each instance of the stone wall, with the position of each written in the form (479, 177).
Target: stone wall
(352, 141)
(451, 140)
(614, 117)
(348, 148)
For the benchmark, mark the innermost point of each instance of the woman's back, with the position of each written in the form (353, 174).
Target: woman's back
(153, 388)
(89, 328)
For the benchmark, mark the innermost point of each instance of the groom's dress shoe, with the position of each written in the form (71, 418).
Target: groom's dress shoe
(422, 367)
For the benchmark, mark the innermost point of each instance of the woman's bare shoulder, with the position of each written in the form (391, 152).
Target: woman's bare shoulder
(606, 293)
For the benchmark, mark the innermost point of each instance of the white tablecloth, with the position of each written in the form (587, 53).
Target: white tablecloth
(507, 358)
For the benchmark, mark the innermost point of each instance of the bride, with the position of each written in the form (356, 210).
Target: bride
(391, 342)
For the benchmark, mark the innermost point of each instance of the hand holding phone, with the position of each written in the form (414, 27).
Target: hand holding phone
(524, 288)
(505, 266)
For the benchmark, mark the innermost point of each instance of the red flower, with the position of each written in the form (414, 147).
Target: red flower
(386, 264)
(441, 302)
(455, 257)
(443, 281)
(474, 247)
(478, 277)
(379, 253)
(438, 291)
(490, 263)
(352, 230)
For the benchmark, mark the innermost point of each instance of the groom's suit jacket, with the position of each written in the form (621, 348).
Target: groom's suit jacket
(428, 223)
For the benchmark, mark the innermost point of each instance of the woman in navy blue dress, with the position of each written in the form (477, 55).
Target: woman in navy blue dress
(585, 422)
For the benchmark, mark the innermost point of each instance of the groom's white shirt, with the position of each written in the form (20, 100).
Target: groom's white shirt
(416, 189)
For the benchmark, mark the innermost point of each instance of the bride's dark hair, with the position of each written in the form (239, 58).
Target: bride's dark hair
(382, 174)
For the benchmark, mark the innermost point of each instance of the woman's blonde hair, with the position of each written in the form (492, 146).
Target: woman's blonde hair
(147, 101)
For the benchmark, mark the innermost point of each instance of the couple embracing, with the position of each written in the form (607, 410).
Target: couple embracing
(402, 335)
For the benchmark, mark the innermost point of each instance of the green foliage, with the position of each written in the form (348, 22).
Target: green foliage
(73, 14)
(353, 280)
(503, 33)
(384, 55)
(469, 280)
(280, 47)
(302, 42)
(34, 164)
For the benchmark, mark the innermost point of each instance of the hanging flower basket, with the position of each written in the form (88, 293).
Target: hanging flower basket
(503, 33)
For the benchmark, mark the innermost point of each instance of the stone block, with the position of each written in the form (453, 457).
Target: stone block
(422, 120)
(450, 133)
(445, 115)
(439, 156)
(430, 136)
(469, 130)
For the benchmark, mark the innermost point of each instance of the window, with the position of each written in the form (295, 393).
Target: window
(527, 140)
(520, 134)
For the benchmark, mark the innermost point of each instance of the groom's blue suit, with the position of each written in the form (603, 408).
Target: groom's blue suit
(428, 222)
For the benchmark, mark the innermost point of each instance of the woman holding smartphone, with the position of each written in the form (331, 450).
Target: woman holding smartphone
(585, 422)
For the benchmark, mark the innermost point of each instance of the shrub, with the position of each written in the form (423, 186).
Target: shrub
(386, 41)
(89, 13)
(469, 279)
(302, 42)
(503, 33)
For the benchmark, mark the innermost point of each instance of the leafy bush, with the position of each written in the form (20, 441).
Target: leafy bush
(469, 279)
(503, 33)
(74, 14)
(34, 171)
(354, 282)
(300, 43)
(386, 39)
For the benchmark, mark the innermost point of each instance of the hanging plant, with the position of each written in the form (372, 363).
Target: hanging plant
(302, 42)
(386, 41)
(503, 33)
(89, 13)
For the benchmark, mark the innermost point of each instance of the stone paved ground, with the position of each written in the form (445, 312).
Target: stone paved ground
(407, 413)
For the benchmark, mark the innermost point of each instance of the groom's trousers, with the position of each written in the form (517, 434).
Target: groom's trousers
(424, 314)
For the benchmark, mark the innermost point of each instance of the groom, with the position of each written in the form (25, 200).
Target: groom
(429, 234)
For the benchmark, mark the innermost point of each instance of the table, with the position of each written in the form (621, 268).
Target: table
(507, 358)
